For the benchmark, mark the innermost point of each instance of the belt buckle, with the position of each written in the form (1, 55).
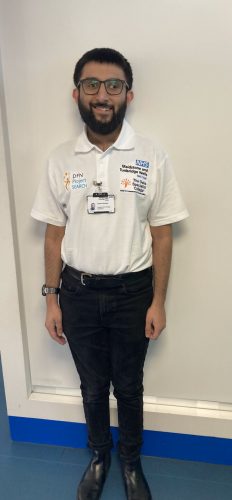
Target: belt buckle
(82, 277)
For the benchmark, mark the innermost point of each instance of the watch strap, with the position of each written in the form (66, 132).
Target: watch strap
(46, 290)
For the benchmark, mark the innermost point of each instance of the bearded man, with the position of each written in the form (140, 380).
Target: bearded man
(109, 200)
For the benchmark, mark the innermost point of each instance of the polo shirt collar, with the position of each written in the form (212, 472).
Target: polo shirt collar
(125, 140)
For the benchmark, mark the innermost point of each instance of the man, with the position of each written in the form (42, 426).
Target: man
(109, 200)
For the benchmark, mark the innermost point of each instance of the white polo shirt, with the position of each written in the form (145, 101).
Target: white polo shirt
(140, 177)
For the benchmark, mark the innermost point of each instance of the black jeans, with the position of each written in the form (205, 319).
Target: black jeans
(104, 323)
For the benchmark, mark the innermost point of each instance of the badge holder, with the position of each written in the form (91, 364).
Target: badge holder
(100, 202)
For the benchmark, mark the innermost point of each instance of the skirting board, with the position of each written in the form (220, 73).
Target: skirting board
(159, 444)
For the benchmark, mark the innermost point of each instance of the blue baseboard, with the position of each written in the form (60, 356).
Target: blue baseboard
(159, 444)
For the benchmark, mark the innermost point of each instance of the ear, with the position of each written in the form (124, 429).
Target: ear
(75, 94)
(129, 96)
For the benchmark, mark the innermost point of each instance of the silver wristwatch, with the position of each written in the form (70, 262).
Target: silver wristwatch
(46, 290)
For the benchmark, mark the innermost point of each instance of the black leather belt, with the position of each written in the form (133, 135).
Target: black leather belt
(101, 280)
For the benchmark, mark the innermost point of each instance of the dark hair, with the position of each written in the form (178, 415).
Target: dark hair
(104, 55)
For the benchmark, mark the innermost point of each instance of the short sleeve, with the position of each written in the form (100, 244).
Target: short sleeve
(168, 206)
(46, 206)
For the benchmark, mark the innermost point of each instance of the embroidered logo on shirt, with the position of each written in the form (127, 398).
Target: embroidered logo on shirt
(125, 183)
(74, 180)
(67, 181)
(133, 178)
(142, 163)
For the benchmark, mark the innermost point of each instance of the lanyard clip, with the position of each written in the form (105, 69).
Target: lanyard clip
(98, 185)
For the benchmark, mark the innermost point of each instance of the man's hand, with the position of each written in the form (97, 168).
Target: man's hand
(53, 323)
(162, 252)
(155, 321)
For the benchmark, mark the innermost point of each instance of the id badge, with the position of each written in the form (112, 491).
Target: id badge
(101, 203)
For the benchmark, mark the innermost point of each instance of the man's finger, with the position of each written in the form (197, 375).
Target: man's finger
(56, 332)
(59, 328)
(149, 327)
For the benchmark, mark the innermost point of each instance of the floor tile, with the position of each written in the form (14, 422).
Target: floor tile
(42, 472)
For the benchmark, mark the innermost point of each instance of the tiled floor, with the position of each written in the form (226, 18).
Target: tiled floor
(37, 472)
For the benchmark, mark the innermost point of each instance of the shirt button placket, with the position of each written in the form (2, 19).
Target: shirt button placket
(102, 163)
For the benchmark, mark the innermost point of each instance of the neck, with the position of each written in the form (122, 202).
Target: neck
(103, 142)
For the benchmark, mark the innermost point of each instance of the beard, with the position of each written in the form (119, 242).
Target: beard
(97, 126)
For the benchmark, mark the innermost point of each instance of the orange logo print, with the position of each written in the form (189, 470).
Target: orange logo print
(67, 180)
(126, 183)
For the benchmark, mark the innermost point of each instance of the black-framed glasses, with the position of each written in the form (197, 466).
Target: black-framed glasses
(113, 86)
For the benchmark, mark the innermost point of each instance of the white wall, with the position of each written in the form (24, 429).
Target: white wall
(180, 51)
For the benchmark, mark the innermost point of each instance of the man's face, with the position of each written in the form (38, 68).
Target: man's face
(102, 113)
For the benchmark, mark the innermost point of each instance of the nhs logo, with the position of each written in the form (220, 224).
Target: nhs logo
(142, 163)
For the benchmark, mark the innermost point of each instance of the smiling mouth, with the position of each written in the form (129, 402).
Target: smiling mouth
(103, 107)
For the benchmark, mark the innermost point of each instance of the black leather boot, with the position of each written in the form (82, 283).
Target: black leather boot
(93, 479)
(135, 482)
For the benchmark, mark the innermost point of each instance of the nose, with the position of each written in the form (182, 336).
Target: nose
(102, 94)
